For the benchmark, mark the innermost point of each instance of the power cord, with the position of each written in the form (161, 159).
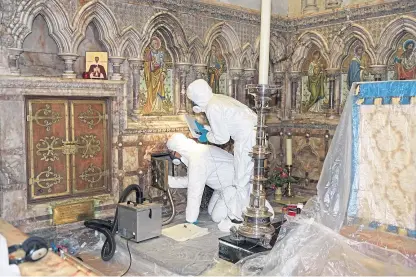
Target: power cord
(128, 248)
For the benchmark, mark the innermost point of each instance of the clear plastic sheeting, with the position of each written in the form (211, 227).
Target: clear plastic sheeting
(311, 244)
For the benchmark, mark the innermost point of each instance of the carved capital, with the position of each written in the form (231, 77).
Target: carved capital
(378, 70)
(183, 68)
(136, 64)
(116, 62)
(332, 73)
(14, 54)
(294, 76)
(249, 73)
(236, 73)
(69, 59)
(201, 70)
(278, 76)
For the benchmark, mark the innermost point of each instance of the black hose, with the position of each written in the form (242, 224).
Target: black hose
(108, 228)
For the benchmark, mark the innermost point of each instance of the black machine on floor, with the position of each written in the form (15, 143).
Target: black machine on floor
(234, 248)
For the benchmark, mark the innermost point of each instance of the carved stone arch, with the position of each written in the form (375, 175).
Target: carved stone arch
(196, 49)
(247, 59)
(306, 41)
(102, 17)
(391, 36)
(55, 17)
(342, 43)
(228, 41)
(168, 26)
(130, 40)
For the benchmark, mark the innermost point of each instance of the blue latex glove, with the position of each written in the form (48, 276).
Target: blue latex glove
(203, 138)
(201, 127)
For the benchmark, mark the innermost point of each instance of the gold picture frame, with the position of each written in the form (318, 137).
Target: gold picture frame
(96, 65)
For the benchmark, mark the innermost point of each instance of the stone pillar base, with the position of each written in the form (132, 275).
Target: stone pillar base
(69, 75)
(116, 77)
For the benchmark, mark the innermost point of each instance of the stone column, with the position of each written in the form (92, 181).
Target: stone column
(310, 6)
(116, 62)
(235, 74)
(69, 59)
(14, 54)
(183, 69)
(249, 74)
(332, 74)
(379, 72)
(201, 71)
(295, 78)
(136, 65)
(279, 77)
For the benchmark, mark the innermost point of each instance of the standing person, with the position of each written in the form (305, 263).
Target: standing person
(228, 118)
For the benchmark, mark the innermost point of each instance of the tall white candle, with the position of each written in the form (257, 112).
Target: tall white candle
(266, 7)
(289, 151)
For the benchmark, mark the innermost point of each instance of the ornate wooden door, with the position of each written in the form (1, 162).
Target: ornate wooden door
(88, 120)
(67, 147)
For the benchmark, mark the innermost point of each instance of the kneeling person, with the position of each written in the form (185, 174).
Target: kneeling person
(212, 166)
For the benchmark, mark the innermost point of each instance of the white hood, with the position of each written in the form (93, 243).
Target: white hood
(199, 92)
(183, 145)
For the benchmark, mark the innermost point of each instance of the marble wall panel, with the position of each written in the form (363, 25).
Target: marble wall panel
(12, 132)
(130, 158)
(14, 205)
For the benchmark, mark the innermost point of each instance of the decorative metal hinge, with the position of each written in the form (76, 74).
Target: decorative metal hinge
(106, 117)
(28, 117)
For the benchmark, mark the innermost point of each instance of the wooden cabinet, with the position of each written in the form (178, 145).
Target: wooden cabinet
(68, 147)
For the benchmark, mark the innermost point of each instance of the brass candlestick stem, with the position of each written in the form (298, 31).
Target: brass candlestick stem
(289, 192)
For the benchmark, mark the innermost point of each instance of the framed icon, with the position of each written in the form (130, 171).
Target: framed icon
(96, 64)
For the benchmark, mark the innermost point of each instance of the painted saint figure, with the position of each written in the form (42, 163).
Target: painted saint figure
(215, 69)
(316, 82)
(154, 74)
(357, 67)
(97, 71)
(405, 62)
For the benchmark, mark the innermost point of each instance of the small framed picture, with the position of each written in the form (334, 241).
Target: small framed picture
(96, 64)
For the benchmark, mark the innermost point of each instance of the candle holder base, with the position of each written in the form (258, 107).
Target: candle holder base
(234, 247)
(292, 200)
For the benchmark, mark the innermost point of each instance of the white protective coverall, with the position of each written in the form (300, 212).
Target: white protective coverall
(207, 165)
(211, 166)
(6, 269)
(228, 118)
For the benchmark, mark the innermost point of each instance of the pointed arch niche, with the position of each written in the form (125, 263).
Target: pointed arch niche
(218, 67)
(314, 80)
(91, 43)
(349, 61)
(157, 78)
(40, 51)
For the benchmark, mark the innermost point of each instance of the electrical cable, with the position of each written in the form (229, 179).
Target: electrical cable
(109, 228)
(172, 216)
(128, 248)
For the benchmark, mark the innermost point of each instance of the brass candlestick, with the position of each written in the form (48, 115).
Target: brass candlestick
(289, 192)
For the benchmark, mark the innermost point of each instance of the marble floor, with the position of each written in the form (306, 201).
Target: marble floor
(162, 255)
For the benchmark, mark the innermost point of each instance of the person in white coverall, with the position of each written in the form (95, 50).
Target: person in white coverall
(211, 166)
(228, 118)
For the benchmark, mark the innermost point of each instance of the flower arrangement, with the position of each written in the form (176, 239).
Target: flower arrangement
(278, 177)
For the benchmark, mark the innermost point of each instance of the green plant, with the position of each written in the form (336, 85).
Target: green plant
(278, 177)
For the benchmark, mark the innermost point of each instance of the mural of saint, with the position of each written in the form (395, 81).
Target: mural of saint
(216, 66)
(405, 61)
(154, 74)
(357, 67)
(316, 83)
